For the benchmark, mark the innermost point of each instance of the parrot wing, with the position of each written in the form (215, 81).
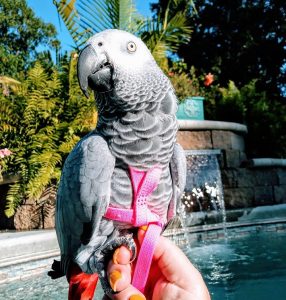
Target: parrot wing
(83, 196)
(178, 166)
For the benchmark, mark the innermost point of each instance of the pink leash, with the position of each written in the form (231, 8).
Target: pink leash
(143, 183)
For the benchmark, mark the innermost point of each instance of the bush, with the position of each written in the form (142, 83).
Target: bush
(41, 121)
(266, 120)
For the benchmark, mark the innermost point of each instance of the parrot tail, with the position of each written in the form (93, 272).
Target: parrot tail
(81, 285)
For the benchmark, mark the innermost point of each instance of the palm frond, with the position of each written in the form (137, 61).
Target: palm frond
(69, 144)
(7, 84)
(83, 18)
(177, 31)
(67, 10)
(5, 80)
(13, 199)
(166, 32)
(48, 162)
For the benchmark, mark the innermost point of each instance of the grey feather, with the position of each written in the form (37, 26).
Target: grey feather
(83, 195)
(178, 167)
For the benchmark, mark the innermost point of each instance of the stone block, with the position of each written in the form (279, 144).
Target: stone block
(280, 194)
(244, 177)
(265, 177)
(227, 140)
(49, 215)
(28, 217)
(243, 156)
(234, 214)
(238, 197)
(228, 178)
(232, 158)
(281, 173)
(263, 195)
(221, 161)
(194, 139)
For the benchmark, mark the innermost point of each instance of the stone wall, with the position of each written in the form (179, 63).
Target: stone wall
(31, 215)
(243, 187)
(254, 187)
(230, 143)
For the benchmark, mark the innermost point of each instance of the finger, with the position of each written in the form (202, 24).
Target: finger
(141, 233)
(120, 282)
(119, 269)
(119, 274)
(176, 267)
(122, 255)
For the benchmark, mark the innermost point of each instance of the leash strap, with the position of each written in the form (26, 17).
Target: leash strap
(145, 256)
(143, 184)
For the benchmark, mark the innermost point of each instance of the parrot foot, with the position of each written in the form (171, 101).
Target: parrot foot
(56, 270)
(125, 238)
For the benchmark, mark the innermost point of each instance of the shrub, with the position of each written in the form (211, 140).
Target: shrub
(41, 122)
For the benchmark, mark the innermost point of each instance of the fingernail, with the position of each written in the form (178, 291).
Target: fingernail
(114, 277)
(145, 227)
(137, 297)
(114, 258)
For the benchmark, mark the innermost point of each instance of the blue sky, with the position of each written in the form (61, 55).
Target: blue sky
(47, 12)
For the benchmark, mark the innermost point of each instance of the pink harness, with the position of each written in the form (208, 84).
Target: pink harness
(143, 183)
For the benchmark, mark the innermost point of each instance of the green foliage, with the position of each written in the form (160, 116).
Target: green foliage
(166, 32)
(162, 33)
(266, 121)
(186, 84)
(21, 32)
(231, 106)
(230, 103)
(243, 40)
(40, 123)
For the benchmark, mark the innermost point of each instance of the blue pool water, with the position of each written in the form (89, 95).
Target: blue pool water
(250, 267)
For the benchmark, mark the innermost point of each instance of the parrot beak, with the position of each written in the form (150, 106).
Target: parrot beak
(93, 71)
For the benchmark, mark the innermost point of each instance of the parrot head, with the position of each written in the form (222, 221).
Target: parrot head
(107, 56)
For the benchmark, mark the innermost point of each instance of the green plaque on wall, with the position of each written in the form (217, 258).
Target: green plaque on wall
(191, 109)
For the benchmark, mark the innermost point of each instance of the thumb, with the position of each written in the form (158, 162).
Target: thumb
(176, 267)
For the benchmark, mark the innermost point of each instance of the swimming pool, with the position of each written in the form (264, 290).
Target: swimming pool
(249, 267)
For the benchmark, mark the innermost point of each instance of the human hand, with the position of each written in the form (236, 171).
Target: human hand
(172, 275)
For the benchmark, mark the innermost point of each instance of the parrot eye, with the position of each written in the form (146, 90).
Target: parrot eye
(131, 47)
(100, 44)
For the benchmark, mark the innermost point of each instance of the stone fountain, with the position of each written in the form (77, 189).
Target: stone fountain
(247, 183)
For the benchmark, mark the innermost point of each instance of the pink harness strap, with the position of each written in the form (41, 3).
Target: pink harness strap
(143, 183)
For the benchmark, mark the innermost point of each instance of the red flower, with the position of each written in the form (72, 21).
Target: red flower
(209, 78)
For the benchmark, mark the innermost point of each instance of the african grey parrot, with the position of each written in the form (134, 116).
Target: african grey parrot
(136, 127)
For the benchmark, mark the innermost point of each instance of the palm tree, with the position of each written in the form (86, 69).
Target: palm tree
(162, 34)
